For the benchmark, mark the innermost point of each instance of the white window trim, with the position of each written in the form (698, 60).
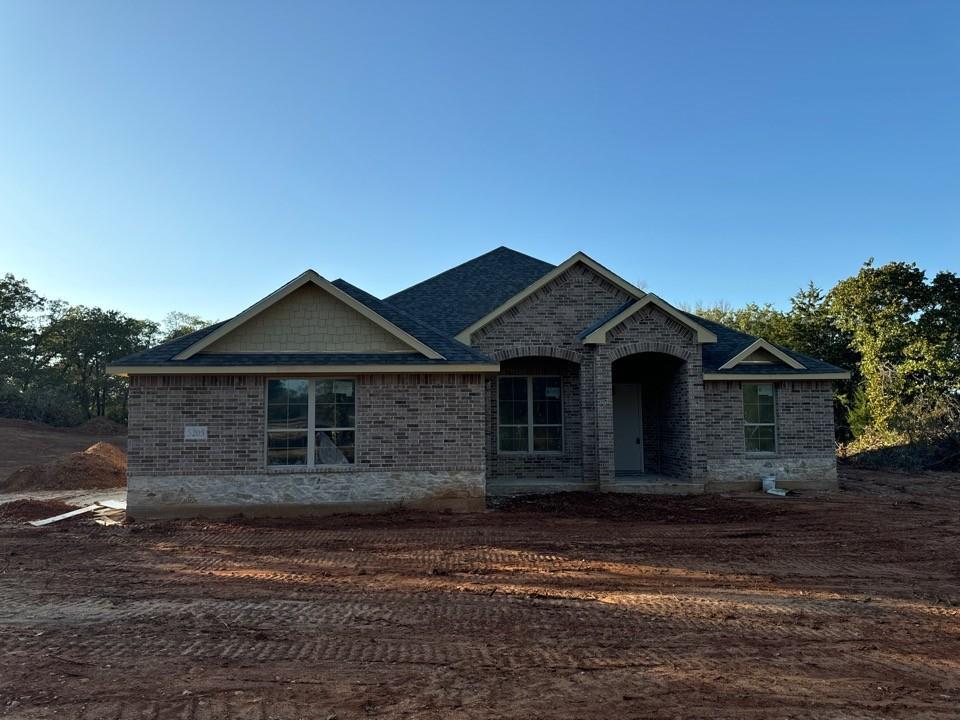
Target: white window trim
(530, 425)
(311, 425)
(775, 424)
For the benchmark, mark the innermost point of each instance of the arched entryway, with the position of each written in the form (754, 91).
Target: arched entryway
(650, 416)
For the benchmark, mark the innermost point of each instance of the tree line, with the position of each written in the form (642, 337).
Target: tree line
(896, 329)
(893, 326)
(54, 356)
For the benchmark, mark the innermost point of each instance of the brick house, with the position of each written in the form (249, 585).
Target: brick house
(503, 375)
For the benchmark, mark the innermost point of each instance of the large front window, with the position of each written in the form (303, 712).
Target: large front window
(530, 414)
(311, 422)
(759, 417)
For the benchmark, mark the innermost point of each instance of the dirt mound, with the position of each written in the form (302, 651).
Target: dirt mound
(652, 508)
(33, 509)
(99, 466)
(100, 426)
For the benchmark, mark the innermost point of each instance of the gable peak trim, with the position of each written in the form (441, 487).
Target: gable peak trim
(761, 344)
(578, 257)
(598, 336)
(314, 278)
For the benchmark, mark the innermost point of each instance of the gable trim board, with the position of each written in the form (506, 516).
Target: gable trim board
(309, 276)
(760, 344)
(579, 257)
(598, 336)
(776, 376)
(286, 370)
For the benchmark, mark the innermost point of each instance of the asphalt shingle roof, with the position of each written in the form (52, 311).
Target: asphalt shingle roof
(730, 342)
(435, 310)
(456, 298)
(453, 351)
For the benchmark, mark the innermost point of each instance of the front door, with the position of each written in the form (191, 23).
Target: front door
(627, 429)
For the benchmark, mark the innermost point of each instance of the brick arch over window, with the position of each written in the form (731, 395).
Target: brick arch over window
(622, 351)
(551, 351)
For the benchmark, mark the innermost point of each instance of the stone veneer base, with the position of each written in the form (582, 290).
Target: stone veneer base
(791, 473)
(284, 495)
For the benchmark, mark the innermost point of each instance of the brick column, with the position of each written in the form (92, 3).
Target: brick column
(697, 418)
(603, 379)
(588, 415)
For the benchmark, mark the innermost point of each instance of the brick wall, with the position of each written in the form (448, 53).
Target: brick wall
(682, 450)
(420, 422)
(563, 467)
(410, 422)
(546, 325)
(231, 408)
(805, 435)
(554, 315)
(420, 443)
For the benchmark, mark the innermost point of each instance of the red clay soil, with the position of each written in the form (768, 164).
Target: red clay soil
(651, 508)
(843, 605)
(25, 443)
(101, 465)
(33, 509)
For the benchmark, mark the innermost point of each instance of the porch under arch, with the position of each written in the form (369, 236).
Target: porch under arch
(652, 445)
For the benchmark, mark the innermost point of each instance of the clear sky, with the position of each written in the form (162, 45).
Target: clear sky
(160, 156)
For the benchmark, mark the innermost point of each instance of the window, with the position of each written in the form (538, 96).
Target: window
(311, 422)
(759, 417)
(530, 414)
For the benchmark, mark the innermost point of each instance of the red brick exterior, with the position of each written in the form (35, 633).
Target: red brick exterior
(804, 432)
(408, 422)
(442, 428)
(692, 428)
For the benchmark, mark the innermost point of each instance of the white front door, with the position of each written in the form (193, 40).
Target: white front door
(627, 429)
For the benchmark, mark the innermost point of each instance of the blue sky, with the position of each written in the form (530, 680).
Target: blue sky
(160, 156)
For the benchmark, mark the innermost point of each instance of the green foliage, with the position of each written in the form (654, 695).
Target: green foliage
(906, 331)
(18, 304)
(82, 341)
(898, 334)
(53, 356)
(177, 324)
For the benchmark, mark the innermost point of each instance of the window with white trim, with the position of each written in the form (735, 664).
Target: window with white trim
(759, 417)
(530, 414)
(311, 422)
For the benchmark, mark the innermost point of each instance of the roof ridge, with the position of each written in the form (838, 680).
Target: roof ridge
(467, 262)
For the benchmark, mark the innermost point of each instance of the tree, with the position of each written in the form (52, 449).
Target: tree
(18, 305)
(906, 331)
(176, 324)
(83, 341)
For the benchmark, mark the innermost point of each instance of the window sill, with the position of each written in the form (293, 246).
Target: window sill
(762, 454)
(534, 453)
(307, 470)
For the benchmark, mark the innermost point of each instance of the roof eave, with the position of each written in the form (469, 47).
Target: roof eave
(306, 369)
(786, 375)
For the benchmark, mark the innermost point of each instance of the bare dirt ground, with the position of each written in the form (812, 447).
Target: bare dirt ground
(830, 606)
(25, 443)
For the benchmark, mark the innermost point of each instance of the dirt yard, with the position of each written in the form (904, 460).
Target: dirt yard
(25, 443)
(835, 606)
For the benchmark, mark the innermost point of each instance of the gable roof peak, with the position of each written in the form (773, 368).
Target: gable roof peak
(308, 276)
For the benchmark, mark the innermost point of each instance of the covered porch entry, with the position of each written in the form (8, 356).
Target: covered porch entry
(650, 415)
